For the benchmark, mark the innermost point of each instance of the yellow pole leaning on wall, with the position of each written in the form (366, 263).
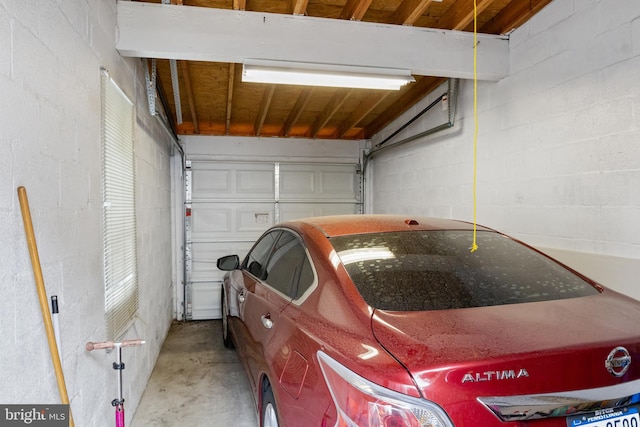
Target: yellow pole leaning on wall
(42, 296)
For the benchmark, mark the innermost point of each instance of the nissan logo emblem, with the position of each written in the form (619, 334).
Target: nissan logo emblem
(618, 361)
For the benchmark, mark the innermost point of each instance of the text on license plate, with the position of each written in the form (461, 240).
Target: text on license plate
(627, 417)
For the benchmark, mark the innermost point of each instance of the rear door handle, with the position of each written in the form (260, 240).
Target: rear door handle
(266, 321)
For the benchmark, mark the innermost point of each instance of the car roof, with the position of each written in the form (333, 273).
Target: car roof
(339, 225)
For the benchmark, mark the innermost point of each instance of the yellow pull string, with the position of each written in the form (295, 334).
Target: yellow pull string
(474, 246)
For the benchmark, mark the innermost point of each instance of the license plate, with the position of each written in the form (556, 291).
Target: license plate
(623, 417)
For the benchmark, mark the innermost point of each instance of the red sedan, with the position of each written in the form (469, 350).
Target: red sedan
(369, 320)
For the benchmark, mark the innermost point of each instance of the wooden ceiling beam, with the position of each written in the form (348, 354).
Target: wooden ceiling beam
(186, 75)
(264, 108)
(460, 15)
(298, 108)
(185, 32)
(298, 7)
(330, 110)
(239, 4)
(514, 15)
(370, 101)
(409, 11)
(230, 80)
(355, 10)
(417, 91)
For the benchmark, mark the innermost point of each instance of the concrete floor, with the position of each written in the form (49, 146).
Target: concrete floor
(196, 382)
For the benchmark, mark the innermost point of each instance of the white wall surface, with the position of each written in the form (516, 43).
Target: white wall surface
(558, 145)
(50, 58)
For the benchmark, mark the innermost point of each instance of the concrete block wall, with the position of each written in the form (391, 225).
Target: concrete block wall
(51, 53)
(558, 144)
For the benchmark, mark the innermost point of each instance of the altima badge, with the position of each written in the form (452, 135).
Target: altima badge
(618, 361)
(476, 377)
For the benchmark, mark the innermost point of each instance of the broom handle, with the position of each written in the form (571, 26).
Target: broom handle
(42, 296)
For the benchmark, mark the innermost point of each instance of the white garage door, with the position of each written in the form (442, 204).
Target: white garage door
(230, 204)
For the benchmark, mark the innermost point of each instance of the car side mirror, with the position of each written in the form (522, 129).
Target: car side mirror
(228, 263)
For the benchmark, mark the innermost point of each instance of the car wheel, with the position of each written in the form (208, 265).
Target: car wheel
(226, 338)
(269, 412)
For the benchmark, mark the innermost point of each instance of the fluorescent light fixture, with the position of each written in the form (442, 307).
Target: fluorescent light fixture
(312, 74)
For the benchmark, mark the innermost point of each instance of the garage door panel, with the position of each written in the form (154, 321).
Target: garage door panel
(215, 181)
(338, 184)
(204, 258)
(294, 183)
(254, 219)
(207, 305)
(211, 221)
(318, 182)
(252, 182)
(212, 183)
(290, 211)
(233, 203)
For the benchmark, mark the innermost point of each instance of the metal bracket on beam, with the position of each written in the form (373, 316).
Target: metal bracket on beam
(176, 89)
(150, 79)
(174, 83)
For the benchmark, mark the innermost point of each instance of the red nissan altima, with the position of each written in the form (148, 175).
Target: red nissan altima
(369, 320)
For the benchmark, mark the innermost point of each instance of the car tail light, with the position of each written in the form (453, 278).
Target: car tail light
(364, 404)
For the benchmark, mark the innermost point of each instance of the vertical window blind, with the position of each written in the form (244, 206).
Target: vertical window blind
(119, 220)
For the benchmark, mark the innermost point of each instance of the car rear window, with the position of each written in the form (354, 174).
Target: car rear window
(435, 270)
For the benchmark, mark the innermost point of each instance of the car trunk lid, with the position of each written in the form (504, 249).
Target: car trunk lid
(461, 356)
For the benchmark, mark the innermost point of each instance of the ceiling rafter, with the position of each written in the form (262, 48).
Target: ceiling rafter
(232, 74)
(419, 89)
(296, 111)
(409, 11)
(371, 101)
(186, 76)
(267, 97)
(298, 7)
(460, 15)
(332, 108)
(239, 4)
(354, 10)
(513, 15)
